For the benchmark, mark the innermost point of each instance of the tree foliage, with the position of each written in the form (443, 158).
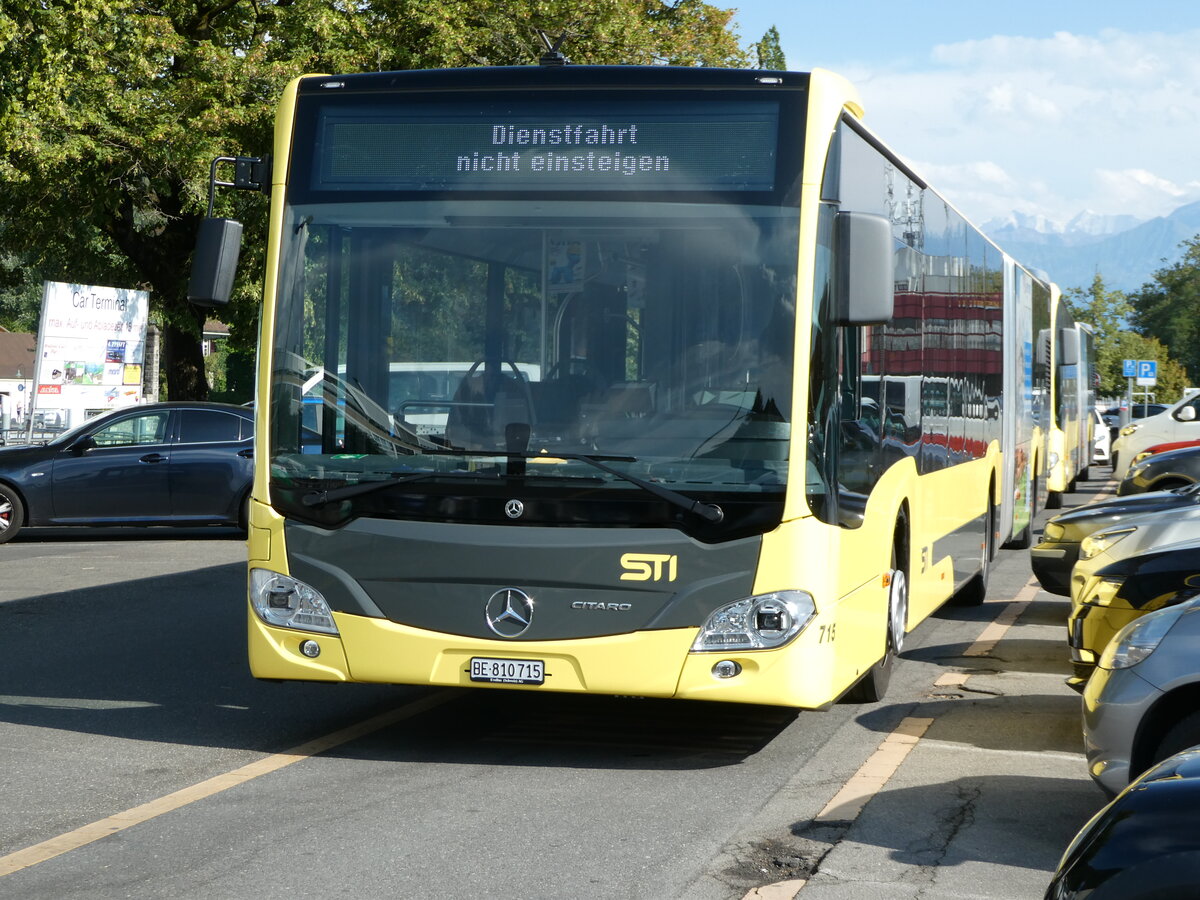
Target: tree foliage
(1168, 307)
(769, 53)
(1108, 313)
(111, 111)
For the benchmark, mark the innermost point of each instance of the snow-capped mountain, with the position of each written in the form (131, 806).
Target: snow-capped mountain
(1122, 249)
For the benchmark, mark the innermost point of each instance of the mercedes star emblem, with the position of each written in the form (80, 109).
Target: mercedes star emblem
(514, 509)
(509, 612)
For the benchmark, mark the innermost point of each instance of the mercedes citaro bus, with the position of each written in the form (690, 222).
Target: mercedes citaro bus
(744, 401)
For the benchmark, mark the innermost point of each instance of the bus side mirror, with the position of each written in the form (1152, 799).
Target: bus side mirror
(214, 263)
(865, 269)
(1068, 341)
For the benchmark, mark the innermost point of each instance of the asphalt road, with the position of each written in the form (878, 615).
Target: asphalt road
(141, 760)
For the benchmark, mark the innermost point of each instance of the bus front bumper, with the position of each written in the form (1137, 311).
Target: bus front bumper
(644, 664)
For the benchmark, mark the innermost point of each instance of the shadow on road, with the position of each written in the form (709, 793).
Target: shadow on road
(163, 659)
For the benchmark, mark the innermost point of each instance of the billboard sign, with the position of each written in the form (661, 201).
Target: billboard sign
(91, 349)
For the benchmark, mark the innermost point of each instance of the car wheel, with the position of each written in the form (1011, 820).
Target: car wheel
(12, 513)
(1183, 734)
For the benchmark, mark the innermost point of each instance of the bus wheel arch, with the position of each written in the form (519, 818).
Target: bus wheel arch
(974, 592)
(873, 685)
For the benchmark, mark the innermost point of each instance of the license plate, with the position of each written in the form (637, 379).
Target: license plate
(508, 671)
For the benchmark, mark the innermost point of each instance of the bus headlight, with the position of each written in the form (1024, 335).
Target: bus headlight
(757, 623)
(289, 603)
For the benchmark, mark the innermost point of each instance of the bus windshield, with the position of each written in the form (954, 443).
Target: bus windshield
(416, 336)
(475, 292)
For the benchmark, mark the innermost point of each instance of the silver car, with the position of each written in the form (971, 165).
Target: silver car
(1142, 704)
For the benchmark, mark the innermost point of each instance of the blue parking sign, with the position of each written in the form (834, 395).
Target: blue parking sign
(1147, 368)
(1129, 368)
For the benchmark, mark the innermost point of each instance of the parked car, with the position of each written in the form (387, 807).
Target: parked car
(154, 464)
(1056, 554)
(1112, 415)
(1101, 602)
(1101, 440)
(1145, 845)
(1162, 471)
(1180, 422)
(1142, 703)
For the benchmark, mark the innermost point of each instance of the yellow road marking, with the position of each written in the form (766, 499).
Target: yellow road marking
(86, 834)
(998, 628)
(875, 772)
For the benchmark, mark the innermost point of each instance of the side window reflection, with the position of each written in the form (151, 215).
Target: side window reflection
(147, 429)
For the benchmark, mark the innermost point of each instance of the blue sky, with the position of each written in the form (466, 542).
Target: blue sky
(1046, 108)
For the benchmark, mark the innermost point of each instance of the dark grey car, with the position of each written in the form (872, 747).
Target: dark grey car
(154, 464)
(1058, 551)
(1164, 471)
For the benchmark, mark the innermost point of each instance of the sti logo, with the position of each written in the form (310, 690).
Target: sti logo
(649, 566)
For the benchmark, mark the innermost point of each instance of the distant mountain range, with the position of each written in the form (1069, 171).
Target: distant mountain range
(1123, 249)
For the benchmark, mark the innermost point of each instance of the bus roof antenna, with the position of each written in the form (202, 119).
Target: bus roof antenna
(553, 56)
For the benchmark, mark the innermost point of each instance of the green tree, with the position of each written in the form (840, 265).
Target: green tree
(1168, 307)
(1107, 312)
(768, 52)
(1172, 377)
(111, 110)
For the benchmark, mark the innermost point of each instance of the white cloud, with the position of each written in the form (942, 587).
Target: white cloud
(1138, 189)
(1108, 122)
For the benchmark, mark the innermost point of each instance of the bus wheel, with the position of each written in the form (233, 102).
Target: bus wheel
(872, 687)
(1054, 500)
(974, 592)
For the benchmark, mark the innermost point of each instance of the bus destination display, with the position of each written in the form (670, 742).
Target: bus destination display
(690, 146)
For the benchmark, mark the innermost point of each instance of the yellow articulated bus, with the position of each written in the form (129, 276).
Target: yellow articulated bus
(1073, 396)
(744, 400)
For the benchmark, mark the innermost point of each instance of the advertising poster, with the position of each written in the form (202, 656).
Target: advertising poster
(91, 348)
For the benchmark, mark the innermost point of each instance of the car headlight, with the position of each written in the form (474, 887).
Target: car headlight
(1139, 638)
(757, 623)
(1095, 544)
(1053, 531)
(1136, 469)
(1129, 429)
(289, 603)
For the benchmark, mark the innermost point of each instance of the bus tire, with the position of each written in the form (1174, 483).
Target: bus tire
(974, 592)
(12, 513)
(1054, 500)
(872, 687)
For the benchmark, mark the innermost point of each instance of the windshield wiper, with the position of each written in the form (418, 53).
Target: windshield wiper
(320, 498)
(710, 512)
